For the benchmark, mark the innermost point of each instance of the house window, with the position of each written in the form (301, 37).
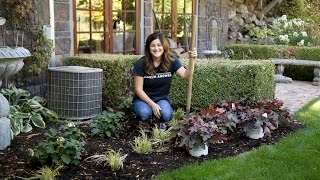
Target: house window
(173, 19)
(106, 26)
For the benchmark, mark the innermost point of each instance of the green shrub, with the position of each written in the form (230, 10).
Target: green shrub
(107, 124)
(291, 32)
(117, 76)
(61, 147)
(213, 80)
(278, 51)
(291, 8)
(216, 80)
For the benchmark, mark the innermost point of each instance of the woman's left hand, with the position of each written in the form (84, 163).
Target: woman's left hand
(193, 53)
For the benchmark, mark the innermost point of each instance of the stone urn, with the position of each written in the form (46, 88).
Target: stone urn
(11, 62)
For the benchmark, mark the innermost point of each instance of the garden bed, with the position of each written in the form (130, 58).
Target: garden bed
(14, 161)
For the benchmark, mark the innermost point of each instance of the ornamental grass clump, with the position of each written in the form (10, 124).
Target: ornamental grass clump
(113, 159)
(142, 144)
(47, 173)
(160, 138)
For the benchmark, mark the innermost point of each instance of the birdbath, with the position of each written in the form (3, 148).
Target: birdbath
(11, 62)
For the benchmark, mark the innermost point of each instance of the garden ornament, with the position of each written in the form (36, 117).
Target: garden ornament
(11, 62)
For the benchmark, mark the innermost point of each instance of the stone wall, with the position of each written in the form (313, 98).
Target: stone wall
(245, 13)
(212, 24)
(63, 30)
(63, 38)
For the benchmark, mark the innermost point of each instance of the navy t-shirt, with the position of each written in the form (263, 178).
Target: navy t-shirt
(157, 86)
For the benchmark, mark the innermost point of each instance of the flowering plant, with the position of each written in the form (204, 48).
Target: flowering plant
(249, 117)
(196, 132)
(290, 32)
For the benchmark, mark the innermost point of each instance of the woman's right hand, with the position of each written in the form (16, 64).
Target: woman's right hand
(156, 110)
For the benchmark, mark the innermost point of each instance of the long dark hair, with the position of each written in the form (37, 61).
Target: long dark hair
(166, 58)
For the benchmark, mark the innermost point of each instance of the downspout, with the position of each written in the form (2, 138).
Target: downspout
(49, 32)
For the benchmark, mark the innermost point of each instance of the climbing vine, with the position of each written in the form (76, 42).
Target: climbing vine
(41, 52)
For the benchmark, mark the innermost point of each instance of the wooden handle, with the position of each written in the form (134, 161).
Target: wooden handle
(191, 63)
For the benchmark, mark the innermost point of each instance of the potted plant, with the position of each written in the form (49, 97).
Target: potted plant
(264, 116)
(196, 134)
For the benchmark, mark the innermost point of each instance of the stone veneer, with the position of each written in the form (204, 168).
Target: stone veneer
(148, 19)
(64, 22)
(230, 14)
(63, 31)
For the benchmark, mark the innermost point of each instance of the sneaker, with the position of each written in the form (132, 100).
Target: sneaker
(162, 127)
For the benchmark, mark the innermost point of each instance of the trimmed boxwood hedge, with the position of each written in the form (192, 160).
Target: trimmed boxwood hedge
(251, 51)
(214, 80)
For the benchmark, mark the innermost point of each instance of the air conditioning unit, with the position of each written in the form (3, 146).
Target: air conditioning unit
(75, 92)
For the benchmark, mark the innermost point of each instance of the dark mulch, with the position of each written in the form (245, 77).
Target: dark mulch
(14, 161)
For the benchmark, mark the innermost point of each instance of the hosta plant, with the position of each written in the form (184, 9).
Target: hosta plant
(61, 147)
(26, 112)
(113, 159)
(107, 124)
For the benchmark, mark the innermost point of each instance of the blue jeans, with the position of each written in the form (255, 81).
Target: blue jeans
(144, 111)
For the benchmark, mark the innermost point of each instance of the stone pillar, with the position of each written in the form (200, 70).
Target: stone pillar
(279, 78)
(148, 18)
(5, 134)
(279, 69)
(316, 79)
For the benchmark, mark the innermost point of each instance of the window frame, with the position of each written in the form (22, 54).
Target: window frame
(108, 27)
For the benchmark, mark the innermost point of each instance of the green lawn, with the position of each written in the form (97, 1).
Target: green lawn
(294, 157)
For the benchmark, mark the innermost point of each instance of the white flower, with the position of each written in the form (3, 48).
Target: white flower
(70, 124)
(301, 43)
(304, 34)
(297, 22)
(265, 115)
(60, 139)
(284, 38)
(283, 18)
(295, 34)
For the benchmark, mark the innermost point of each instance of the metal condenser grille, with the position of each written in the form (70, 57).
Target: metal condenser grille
(75, 92)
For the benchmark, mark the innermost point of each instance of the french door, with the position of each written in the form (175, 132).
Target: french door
(106, 26)
(173, 19)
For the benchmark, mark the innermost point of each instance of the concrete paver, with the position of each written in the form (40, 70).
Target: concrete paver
(297, 94)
